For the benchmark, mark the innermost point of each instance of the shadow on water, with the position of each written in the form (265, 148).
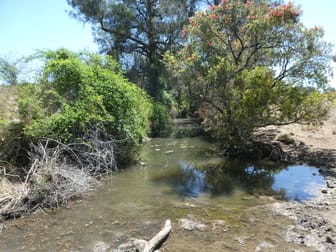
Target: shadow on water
(218, 177)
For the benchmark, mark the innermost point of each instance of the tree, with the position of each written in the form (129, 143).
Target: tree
(250, 65)
(138, 33)
(9, 70)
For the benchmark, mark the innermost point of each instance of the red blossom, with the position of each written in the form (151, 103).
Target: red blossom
(213, 16)
(295, 13)
(213, 7)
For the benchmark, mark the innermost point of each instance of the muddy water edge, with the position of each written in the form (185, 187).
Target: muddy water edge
(211, 209)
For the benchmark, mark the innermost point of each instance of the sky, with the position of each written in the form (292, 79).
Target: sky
(30, 25)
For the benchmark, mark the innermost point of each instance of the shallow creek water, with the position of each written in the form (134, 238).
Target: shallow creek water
(222, 204)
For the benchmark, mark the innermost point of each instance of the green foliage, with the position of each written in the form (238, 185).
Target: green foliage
(79, 92)
(13, 145)
(161, 125)
(137, 33)
(251, 64)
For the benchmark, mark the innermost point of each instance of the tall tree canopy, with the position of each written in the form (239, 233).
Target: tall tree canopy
(249, 64)
(137, 32)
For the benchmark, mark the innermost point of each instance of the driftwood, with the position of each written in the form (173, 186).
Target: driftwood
(148, 246)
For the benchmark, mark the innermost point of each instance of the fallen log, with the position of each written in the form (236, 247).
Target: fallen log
(148, 246)
(159, 238)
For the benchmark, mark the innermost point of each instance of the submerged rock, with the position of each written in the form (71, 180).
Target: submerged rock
(101, 247)
(263, 245)
(190, 225)
(218, 224)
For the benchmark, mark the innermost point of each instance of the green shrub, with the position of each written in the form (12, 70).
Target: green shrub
(161, 125)
(13, 145)
(78, 92)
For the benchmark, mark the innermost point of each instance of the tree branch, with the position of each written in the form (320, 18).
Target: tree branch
(121, 34)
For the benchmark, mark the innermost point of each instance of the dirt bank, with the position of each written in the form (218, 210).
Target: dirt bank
(315, 220)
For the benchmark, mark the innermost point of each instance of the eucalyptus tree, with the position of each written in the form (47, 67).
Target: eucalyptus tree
(137, 33)
(250, 65)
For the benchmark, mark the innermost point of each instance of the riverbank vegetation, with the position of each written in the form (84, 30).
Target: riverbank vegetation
(251, 65)
(80, 118)
(235, 67)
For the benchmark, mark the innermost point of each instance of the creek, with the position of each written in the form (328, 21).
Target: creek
(214, 203)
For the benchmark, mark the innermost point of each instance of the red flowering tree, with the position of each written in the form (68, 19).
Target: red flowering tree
(249, 64)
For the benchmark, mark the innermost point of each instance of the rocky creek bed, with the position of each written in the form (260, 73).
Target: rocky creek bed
(133, 206)
(313, 222)
(315, 219)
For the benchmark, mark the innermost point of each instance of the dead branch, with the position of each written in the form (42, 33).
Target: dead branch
(57, 173)
(148, 246)
(159, 238)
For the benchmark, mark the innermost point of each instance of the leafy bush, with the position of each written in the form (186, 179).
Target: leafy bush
(161, 125)
(79, 92)
(13, 147)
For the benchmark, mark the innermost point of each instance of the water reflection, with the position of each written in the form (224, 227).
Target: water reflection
(299, 182)
(231, 174)
(227, 175)
(193, 181)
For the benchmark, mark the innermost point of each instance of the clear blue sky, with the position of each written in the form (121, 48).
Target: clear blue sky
(27, 25)
(320, 13)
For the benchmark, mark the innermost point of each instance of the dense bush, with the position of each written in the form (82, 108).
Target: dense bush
(80, 92)
(161, 125)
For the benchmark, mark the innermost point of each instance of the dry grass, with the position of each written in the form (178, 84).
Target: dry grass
(8, 102)
(49, 182)
(12, 196)
(57, 173)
